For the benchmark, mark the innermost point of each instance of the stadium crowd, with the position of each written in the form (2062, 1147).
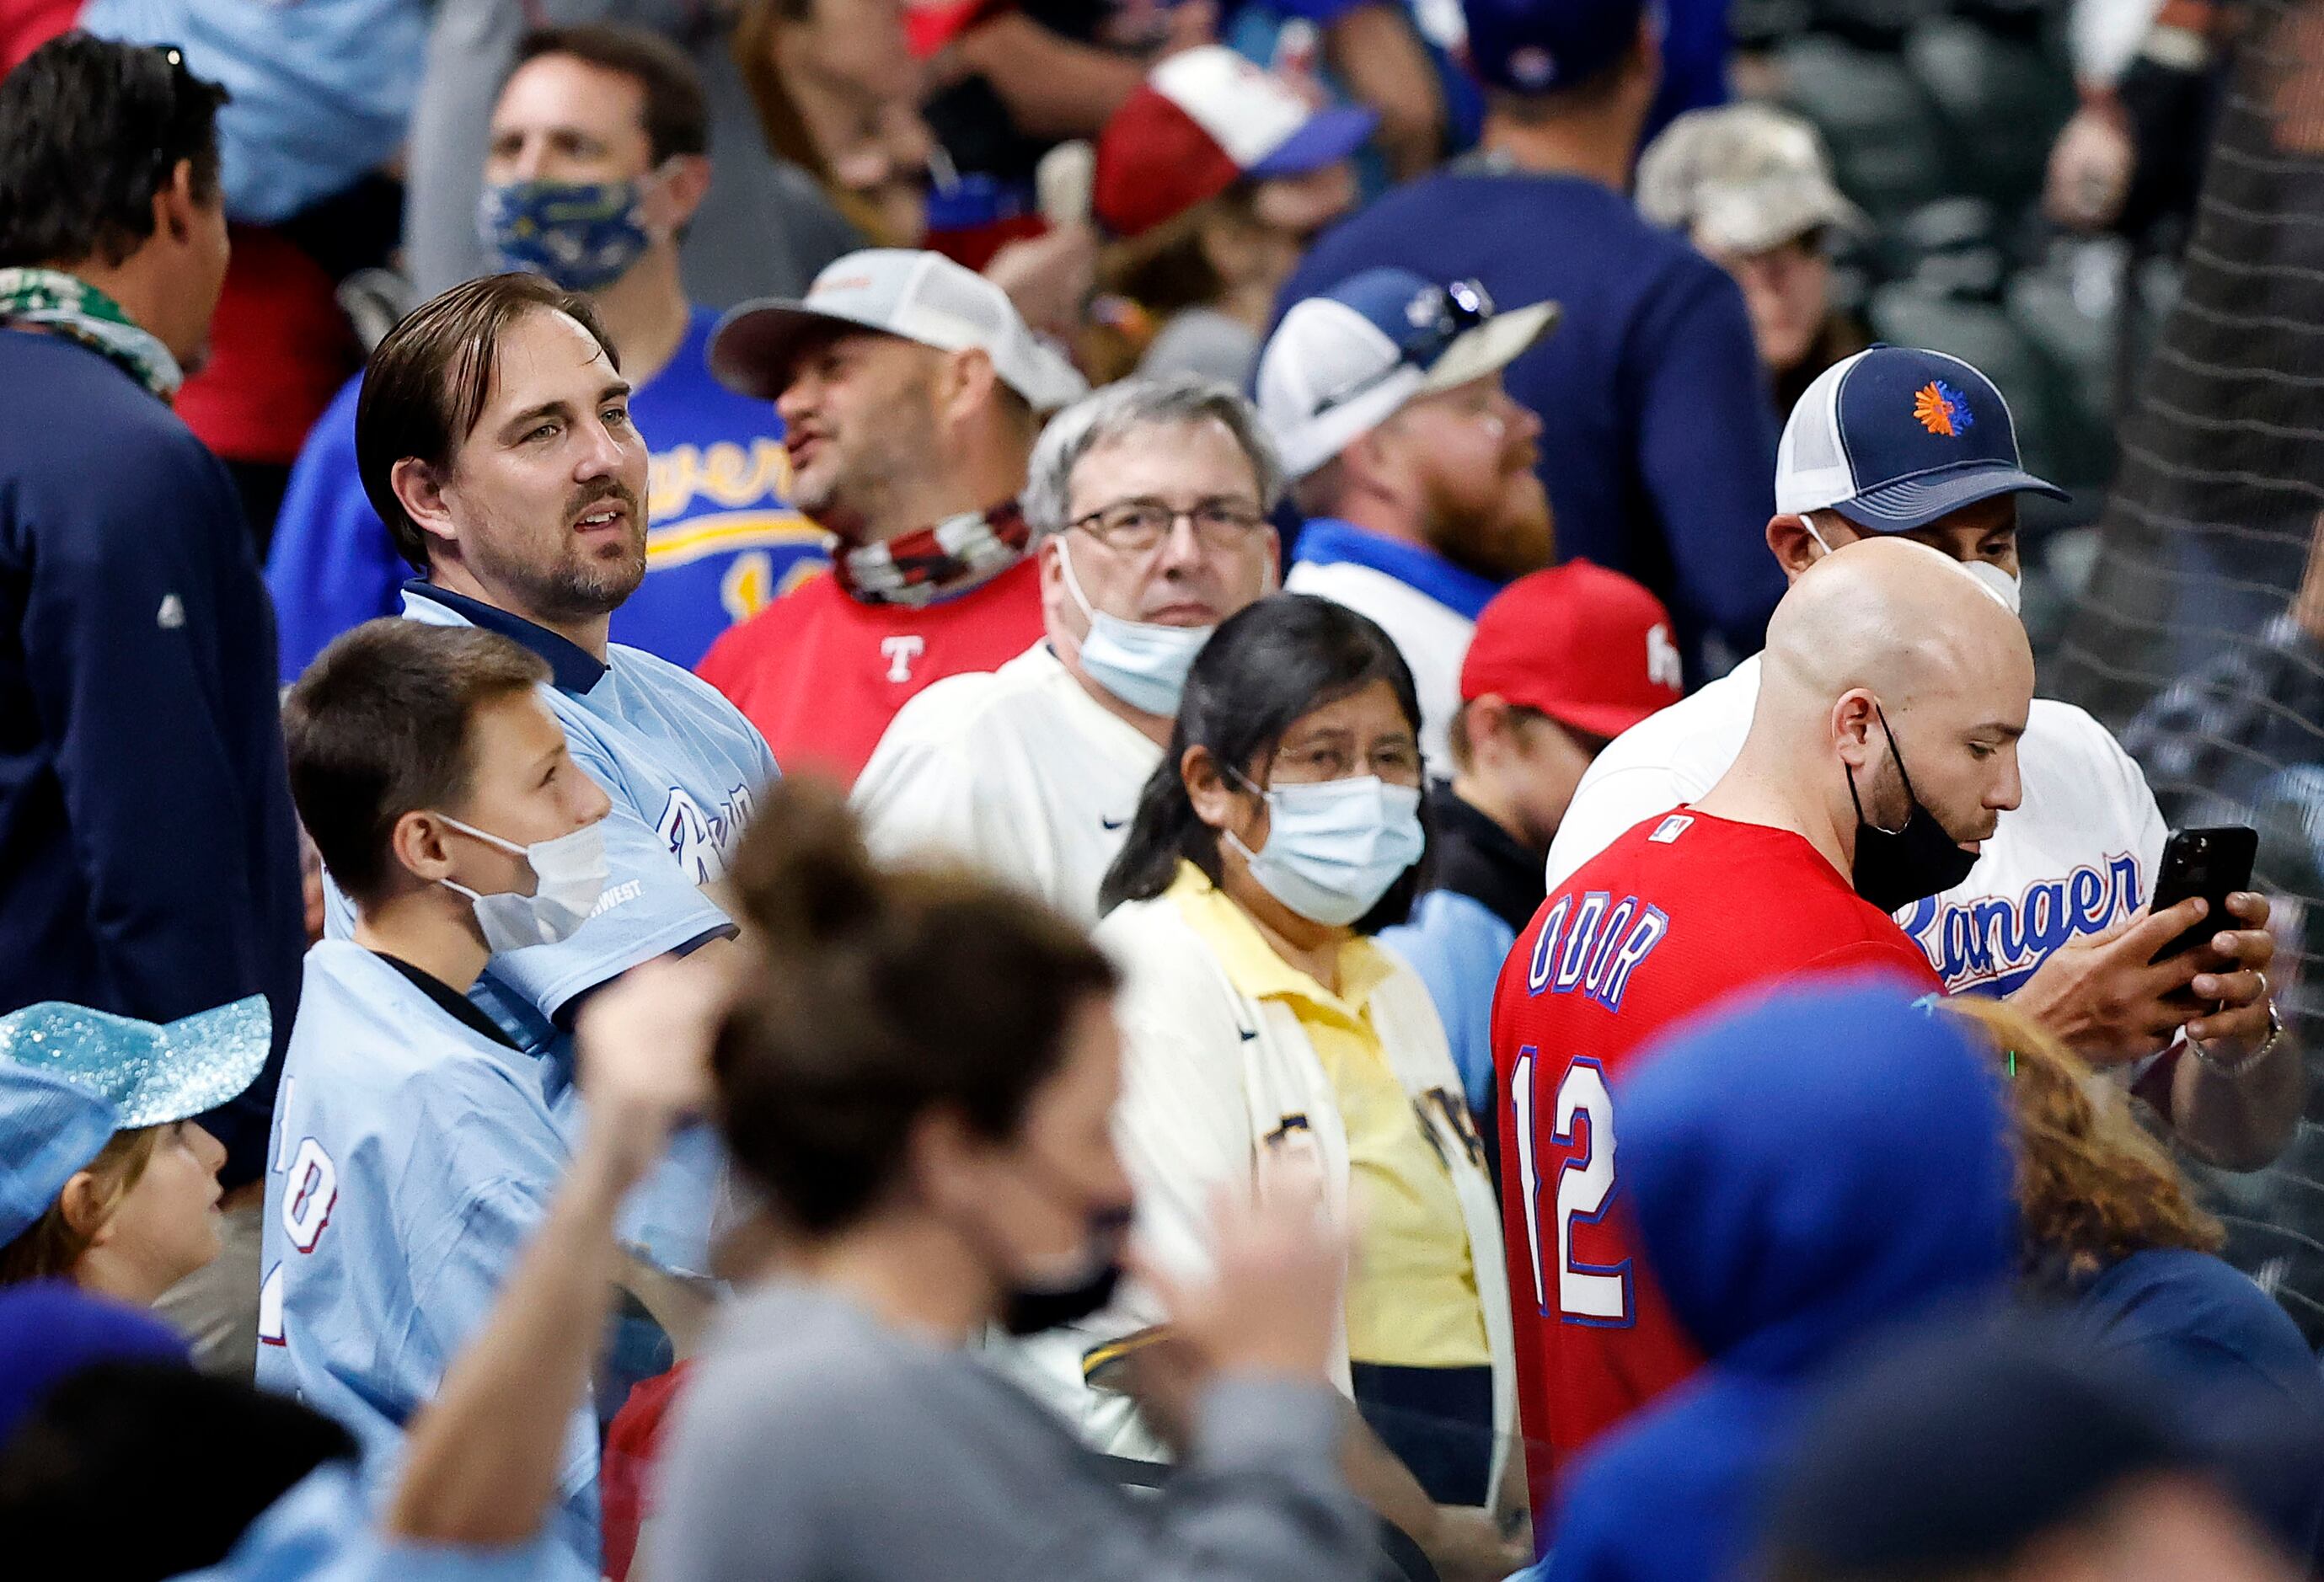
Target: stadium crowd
(825, 788)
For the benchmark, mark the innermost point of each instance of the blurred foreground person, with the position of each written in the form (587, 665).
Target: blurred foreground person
(106, 1179)
(1805, 1173)
(1998, 1457)
(2109, 1230)
(93, 1401)
(1752, 187)
(922, 1081)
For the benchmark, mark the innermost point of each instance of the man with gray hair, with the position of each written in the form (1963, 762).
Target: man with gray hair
(1148, 503)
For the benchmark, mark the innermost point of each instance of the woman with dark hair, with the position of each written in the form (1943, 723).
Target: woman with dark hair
(919, 1077)
(1263, 1025)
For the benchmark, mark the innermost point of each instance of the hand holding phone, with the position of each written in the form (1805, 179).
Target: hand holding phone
(2213, 863)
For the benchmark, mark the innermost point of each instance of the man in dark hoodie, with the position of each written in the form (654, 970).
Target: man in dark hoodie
(1806, 1172)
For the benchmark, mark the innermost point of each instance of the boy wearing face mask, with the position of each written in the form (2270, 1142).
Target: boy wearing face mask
(1149, 505)
(597, 160)
(1910, 444)
(415, 1147)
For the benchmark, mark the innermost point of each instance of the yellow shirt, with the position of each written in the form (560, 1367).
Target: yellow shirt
(1412, 1288)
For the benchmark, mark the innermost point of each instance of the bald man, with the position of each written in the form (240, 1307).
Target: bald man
(1884, 748)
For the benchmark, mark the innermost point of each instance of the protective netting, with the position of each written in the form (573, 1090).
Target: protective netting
(2201, 637)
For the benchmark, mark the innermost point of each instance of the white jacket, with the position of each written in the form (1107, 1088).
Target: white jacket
(1213, 1081)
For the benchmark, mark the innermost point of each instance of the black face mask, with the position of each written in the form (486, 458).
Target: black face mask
(1895, 867)
(1029, 1309)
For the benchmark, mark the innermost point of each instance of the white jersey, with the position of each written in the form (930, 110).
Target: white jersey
(1019, 770)
(2077, 856)
(1433, 636)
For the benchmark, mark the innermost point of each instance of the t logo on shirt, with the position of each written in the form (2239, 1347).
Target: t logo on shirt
(901, 652)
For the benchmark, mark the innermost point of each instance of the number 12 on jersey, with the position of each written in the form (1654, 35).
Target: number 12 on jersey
(1586, 1293)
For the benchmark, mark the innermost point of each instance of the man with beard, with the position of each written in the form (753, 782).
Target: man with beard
(911, 393)
(1892, 691)
(598, 160)
(494, 438)
(1413, 467)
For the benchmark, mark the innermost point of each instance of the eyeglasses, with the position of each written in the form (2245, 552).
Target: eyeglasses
(1437, 317)
(1137, 526)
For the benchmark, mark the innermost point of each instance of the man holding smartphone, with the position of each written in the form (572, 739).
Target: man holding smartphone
(2050, 912)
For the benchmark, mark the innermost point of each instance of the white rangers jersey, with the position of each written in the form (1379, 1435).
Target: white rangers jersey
(2077, 856)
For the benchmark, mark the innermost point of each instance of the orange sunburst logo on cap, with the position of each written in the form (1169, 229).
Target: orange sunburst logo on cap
(1941, 410)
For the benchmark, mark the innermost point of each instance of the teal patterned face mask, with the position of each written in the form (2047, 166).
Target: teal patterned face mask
(582, 234)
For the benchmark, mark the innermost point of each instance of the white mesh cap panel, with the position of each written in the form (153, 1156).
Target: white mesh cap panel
(1811, 465)
(1321, 350)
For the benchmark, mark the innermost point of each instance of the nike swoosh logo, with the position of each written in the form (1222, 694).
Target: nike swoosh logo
(1247, 1033)
(1112, 824)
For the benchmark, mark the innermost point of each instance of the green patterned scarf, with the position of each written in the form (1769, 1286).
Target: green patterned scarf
(68, 306)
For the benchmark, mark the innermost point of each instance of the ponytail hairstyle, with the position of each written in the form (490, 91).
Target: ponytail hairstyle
(883, 995)
(2091, 1184)
(1268, 667)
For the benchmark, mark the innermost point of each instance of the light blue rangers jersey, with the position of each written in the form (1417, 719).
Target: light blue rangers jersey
(682, 769)
(326, 1530)
(413, 1157)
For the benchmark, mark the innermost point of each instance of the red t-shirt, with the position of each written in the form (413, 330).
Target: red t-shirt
(821, 673)
(1683, 912)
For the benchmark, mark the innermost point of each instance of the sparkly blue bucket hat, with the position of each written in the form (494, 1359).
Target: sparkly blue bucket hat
(71, 1077)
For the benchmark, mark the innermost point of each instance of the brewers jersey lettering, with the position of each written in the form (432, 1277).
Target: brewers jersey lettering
(1683, 912)
(2077, 856)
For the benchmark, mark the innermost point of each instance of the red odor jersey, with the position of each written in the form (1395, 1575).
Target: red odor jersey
(821, 673)
(1679, 914)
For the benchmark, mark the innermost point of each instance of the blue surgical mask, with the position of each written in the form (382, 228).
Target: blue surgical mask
(582, 234)
(1141, 663)
(1334, 847)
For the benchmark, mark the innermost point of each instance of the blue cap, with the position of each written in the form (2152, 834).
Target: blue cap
(1894, 438)
(152, 1073)
(50, 1331)
(50, 1129)
(1340, 364)
(1540, 46)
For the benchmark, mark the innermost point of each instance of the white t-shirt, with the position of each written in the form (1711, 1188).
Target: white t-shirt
(2078, 855)
(1017, 769)
(1433, 638)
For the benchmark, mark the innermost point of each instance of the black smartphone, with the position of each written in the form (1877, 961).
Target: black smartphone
(2212, 863)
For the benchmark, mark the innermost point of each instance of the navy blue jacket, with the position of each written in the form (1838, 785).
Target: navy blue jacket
(1805, 1173)
(149, 858)
(1658, 441)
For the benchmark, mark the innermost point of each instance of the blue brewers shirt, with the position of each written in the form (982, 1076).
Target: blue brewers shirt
(721, 543)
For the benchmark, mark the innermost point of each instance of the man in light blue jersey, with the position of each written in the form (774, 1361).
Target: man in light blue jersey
(415, 1147)
(598, 158)
(494, 440)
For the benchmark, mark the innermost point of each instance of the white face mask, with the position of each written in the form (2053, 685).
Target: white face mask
(1334, 847)
(1989, 576)
(569, 875)
(1996, 582)
(1141, 663)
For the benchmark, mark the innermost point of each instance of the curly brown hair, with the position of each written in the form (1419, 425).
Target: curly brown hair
(2092, 1184)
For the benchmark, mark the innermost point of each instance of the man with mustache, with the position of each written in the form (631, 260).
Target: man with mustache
(1413, 467)
(494, 438)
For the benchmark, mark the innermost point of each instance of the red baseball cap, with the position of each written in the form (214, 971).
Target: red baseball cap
(1203, 120)
(1587, 647)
